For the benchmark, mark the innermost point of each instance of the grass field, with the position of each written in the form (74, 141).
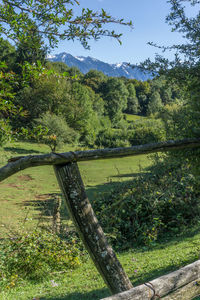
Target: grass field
(130, 117)
(25, 198)
(28, 194)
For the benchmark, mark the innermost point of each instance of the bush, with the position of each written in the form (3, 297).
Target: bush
(34, 255)
(58, 132)
(5, 132)
(146, 131)
(112, 138)
(152, 205)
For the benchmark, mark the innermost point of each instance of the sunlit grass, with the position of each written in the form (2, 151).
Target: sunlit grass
(23, 192)
(130, 117)
(85, 283)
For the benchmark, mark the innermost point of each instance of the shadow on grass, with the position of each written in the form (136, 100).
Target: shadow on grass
(45, 204)
(93, 295)
(20, 150)
(95, 191)
(129, 175)
(153, 274)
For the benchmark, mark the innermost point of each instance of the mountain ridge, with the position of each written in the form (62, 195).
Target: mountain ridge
(85, 64)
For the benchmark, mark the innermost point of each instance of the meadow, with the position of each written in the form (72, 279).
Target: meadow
(23, 194)
(27, 198)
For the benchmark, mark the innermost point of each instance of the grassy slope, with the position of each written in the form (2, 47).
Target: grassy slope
(19, 193)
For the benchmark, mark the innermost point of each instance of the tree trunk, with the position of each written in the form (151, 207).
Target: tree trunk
(90, 231)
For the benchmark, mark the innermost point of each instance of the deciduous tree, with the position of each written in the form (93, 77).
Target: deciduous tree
(115, 96)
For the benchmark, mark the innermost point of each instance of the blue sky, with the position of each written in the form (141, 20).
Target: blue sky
(148, 18)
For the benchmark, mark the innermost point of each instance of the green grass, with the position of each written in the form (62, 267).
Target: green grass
(23, 196)
(85, 283)
(130, 117)
(28, 194)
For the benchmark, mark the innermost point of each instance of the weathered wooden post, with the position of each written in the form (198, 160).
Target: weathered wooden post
(56, 214)
(90, 231)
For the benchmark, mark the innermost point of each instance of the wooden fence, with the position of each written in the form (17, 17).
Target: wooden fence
(79, 207)
(183, 284)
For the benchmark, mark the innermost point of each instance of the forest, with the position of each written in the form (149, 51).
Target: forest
(49, 103)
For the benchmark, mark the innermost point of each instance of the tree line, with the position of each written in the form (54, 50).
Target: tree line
(54, 103)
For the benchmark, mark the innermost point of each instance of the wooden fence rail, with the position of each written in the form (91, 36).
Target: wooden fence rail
(17, 164)
(161, 287)
(79, 207)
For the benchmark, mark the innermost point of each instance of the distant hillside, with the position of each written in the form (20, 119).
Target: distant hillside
(113, 70)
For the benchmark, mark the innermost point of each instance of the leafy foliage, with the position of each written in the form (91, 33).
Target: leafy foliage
(146, 131)
(31, 49)
(188, 26)
(137, 133)
(155, 104)
(181, 118)
(42, 90)
(132, 101)
(115, 96)
(35, 255)
(7, 53)
(58, 132)
(94, 79)
(5, 132)
(112, 138)
(8, 83)
(151, 206)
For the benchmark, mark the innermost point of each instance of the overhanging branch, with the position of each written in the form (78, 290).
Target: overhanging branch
(17, 164)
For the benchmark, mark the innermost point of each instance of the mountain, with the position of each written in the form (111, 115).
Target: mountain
(112, 70)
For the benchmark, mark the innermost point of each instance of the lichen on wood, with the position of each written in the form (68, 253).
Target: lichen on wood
(89, 229)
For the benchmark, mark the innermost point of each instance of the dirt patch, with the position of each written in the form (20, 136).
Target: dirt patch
(25, 177)
(14, 185)
(44, 196)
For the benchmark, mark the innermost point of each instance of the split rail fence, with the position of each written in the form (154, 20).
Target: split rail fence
(90, 231)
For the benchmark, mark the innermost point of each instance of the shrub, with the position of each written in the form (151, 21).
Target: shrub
(34, 255)
(138, 133)
(58, 132)
(5, 132)
(146, 131)
(150, 206)
(112, 138)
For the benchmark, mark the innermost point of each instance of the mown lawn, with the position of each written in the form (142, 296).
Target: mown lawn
(22, 201)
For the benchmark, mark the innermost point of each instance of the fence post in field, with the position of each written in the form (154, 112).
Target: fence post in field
(89, 229)
(56, 214)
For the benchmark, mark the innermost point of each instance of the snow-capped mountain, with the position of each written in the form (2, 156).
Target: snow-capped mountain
(113, 70)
